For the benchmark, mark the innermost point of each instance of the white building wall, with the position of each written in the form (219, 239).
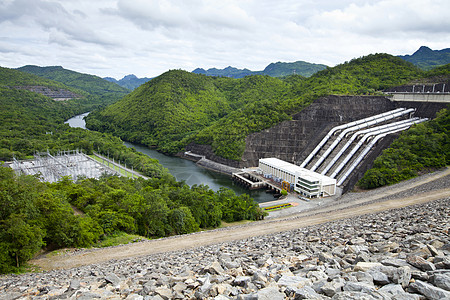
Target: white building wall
(291, 173)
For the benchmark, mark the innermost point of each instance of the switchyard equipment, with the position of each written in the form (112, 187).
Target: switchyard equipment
(51, 168)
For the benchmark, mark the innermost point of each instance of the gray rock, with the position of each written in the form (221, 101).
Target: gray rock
(379, 277)
(333, 287)
(270, 293)
(358, 287)
(406, 296)
(307, 292)
(392, 289)
(221, 297)
(394, 262)
(442, 281)
(430, 291)
(420, 263)
(248, 297)
(214, 269)
(11, 296)
(401, 275)
(88, 295)
(352, 296)
(364, 266)
(113, 279)
(442, 262)
(242, 281)
(293, 281)
(74, 284)
(164, 293)
(365, 276)
(134, 297)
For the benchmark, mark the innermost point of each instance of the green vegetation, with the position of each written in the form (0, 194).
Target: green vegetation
(10, 78)
(281, 69)
(179, 107)
(277, 207)
(34, 214)
(90, 83)
(97, 91)
(427, 59)
(424, 147)
(120, 238)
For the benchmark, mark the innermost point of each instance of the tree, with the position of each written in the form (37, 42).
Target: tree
(20, 239)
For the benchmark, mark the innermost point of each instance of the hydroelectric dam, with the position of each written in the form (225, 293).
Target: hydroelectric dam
(336, 136)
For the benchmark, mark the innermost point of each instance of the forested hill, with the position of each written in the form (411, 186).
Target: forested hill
(427, 59)
(11, 78)
(92, 84)
(179, 107)
(278, 69)
(35, 214)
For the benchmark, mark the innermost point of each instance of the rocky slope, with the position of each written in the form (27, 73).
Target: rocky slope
(398, 254)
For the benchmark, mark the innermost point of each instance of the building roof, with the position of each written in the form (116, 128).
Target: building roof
(297, 170)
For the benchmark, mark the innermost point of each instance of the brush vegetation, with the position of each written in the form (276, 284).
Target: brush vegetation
(179, 107)
(35, 215)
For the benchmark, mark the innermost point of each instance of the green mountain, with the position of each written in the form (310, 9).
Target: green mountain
(129, 82)
(427, 59)
(179, 107)
(226, 72)
(27, 118)
(279, 69)
(35, 214)
(302, 68)
(14, 78)
(91, 84)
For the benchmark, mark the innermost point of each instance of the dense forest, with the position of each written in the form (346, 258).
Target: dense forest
(180, 107)
(99, 92)
(36, 215)
(420, 149)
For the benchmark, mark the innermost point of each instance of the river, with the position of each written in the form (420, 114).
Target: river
(186, 170)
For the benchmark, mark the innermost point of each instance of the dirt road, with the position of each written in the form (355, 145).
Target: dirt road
(360, 204)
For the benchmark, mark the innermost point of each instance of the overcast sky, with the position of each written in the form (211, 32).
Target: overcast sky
(148, 37)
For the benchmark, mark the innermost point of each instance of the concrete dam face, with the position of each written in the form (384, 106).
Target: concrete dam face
(293, 140)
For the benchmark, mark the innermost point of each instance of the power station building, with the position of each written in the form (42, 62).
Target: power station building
(305, 182)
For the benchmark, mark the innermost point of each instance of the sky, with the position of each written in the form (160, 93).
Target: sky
(149, 37)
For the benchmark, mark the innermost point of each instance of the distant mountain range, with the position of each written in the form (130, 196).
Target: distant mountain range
(278, 69)
(427, 59)
(129, 82)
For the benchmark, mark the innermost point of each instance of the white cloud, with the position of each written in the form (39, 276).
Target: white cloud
(148, 37)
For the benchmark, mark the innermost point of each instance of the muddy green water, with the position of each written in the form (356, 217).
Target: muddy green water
(186, 170)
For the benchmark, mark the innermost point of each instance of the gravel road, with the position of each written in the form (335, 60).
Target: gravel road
(419, 190)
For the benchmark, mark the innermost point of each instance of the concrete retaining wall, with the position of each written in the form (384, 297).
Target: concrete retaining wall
(428, 97)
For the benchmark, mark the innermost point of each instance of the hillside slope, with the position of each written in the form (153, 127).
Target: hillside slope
(180, 107)
(172, 108)
(94, 85)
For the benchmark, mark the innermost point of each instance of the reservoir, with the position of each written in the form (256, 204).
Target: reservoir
(186, 170)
